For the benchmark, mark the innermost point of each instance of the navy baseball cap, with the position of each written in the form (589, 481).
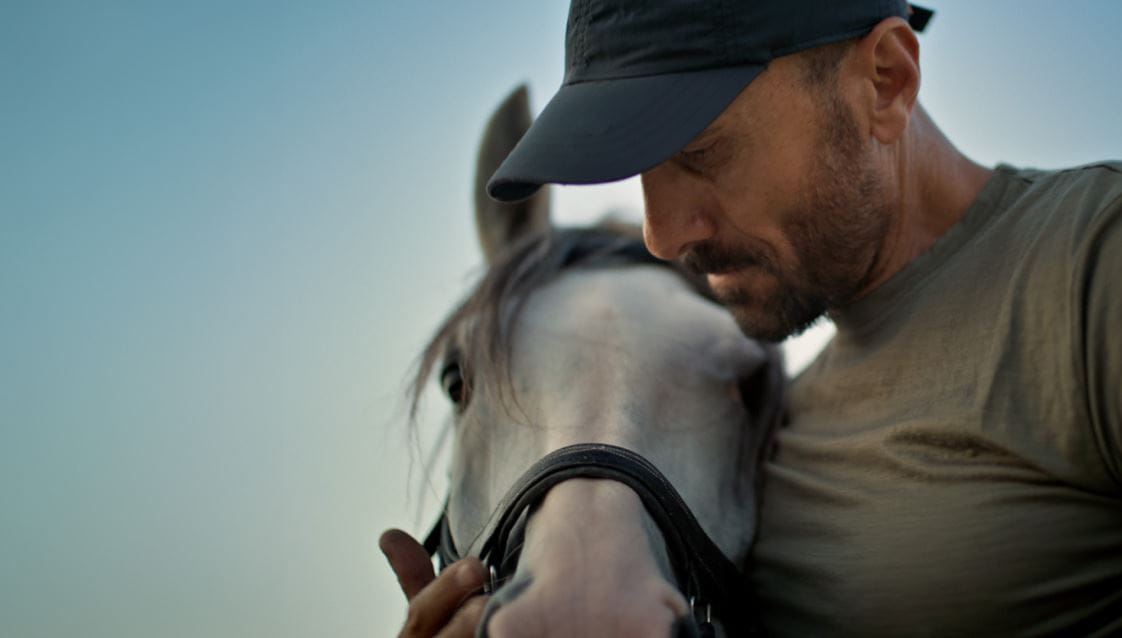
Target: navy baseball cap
(644, 77)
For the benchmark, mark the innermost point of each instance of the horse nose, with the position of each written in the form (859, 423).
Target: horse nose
(515, 611)
(499, 598)
(498, 626)
(684, 627)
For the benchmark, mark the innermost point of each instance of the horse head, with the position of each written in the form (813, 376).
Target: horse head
(578, 337)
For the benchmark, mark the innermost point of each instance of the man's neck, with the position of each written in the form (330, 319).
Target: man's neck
(935, 186)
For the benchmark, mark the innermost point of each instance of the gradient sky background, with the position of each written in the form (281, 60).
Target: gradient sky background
(227, 228)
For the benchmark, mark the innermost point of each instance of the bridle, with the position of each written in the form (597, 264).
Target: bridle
(708, 579)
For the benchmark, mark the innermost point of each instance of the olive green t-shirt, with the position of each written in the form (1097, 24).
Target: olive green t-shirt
(952, 465)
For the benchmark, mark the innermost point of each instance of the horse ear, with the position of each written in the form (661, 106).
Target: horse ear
(500, 224)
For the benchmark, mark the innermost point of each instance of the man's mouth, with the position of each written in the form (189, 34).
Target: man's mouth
(724, 278)
(725, 269)
(737, 280)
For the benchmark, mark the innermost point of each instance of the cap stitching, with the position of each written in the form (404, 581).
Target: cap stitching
(823, 40)
(586, 22)
(724, 23)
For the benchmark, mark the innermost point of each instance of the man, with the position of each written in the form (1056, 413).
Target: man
(953, 460)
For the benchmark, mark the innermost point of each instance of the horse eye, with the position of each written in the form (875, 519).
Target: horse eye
(452, 380)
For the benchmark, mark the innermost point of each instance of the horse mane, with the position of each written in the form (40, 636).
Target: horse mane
(496, 303)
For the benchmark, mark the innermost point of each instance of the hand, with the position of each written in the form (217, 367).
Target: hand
(444, 606)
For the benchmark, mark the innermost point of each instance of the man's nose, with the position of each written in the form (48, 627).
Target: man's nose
(674, 217)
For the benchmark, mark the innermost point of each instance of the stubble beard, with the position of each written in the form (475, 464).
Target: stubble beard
(836, 232)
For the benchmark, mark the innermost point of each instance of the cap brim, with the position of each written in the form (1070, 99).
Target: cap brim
(607, 130)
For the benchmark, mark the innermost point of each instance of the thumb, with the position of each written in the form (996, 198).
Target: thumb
(408, 559)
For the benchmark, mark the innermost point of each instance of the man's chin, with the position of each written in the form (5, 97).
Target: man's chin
(761, 329)
(771, 320)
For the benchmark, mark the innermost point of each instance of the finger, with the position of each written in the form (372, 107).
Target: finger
(433, 607)
(464, 623)
(409, 561)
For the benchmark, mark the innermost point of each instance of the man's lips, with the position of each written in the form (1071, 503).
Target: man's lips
(725, 270)
(724, 278)
(738, 277)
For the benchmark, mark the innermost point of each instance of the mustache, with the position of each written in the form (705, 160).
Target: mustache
(712, 258)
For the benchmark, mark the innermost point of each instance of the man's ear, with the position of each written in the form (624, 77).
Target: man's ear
(887, 60)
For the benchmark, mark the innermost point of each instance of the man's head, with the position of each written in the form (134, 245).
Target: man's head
(788, 198)
(774, 177)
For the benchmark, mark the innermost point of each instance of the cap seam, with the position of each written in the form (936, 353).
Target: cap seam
(637, 120)
(725, 23)
(823, 40)
(685, 71)
(775, 53)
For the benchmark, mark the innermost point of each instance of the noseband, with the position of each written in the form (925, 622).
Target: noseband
(709, 580)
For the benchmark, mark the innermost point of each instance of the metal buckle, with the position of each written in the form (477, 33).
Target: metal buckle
(492, 584)
(694, 604)
(705, 619)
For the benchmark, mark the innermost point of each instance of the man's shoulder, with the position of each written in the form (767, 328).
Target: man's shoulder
(1107, 171)
(1058, 207)
(1090, 188)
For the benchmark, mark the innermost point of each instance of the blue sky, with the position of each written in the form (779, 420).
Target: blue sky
(226, 229)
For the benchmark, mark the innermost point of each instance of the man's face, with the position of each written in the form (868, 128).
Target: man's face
(779, 202)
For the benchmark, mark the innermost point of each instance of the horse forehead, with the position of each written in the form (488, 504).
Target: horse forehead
(626, 292)
(645, 306)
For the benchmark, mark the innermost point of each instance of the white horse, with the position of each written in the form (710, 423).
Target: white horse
(579, 336)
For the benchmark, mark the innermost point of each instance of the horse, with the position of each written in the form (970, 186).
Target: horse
(609, 422)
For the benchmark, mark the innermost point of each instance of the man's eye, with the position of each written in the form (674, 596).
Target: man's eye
(700, 151)
(698, 158)
(696, 154)
(452, 380)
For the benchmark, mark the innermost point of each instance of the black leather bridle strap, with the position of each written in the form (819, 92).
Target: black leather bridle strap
(701, 569)
(699, 565)
(439, 542)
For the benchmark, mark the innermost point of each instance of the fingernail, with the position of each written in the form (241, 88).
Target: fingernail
(383, 541)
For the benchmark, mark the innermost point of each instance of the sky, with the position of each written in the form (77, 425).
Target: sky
(228, 228)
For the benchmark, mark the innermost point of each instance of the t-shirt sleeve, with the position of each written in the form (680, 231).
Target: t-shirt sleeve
(1102, 321)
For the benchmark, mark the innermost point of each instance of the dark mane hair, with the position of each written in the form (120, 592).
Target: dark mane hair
(496, 302)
